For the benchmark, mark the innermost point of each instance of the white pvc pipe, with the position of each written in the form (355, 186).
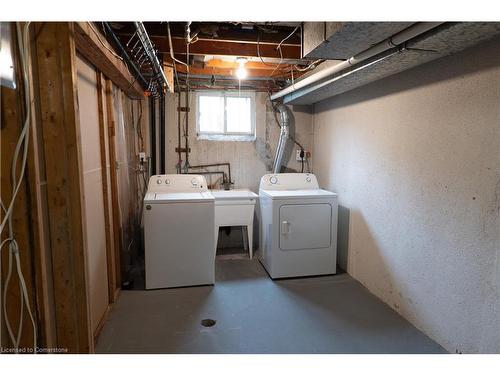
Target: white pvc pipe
(148, 48)
(397, 39)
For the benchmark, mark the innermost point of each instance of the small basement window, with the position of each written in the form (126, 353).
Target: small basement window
(225, 115)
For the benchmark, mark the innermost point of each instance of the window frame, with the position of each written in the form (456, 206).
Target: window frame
(225, 95)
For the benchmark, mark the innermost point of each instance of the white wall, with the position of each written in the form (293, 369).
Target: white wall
(97, 271)
(249, 160)
(415, 159)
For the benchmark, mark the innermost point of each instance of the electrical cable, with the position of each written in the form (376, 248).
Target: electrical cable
(23, 141)
(281, 53)
(171, 47)
(271, 65)
(308, 67)
(288, 37)
(302, 154)
(103, 44)
(258, 51)
(139, 127)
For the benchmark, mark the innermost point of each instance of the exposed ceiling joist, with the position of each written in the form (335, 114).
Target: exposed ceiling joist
(272, 32)
(231, 72)
(227, 48)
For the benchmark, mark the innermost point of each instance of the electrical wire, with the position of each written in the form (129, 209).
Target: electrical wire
(308, 67)
(23, 141)
(279, 49)
(258, 51)
(103, 44)
(171, 47)
(139, 127)
(288, 37)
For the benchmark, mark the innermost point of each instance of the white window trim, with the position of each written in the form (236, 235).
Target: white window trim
(225, 135)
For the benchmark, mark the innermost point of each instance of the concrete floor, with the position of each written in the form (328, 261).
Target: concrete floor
(329, 314)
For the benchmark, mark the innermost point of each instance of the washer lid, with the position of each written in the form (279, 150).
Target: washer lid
(204, 196)
(238, 194)
(298, 194)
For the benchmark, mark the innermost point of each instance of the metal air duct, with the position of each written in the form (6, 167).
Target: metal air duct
(284, 121)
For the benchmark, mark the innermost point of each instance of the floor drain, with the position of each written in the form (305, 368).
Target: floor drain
(208, 322)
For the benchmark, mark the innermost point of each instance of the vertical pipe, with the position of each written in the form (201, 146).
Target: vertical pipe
(152, 134)
(162, 134)
(179, 153)
(187, 129)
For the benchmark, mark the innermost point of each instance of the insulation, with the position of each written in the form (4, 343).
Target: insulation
(450, 38)
(346, 39)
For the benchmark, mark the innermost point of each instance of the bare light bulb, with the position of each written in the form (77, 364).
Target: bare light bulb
(241, 72)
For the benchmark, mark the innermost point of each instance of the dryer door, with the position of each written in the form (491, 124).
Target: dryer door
(305, 226)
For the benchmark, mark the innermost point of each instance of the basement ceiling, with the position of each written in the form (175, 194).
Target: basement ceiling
(445, 40)
(272, 51)
(346, 39)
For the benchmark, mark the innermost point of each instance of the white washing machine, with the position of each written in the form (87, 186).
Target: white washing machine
(179, 232)
(298, 226)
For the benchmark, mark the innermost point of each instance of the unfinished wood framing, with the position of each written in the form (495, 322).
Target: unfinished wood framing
(97, 50)
(227, 48)
(111, 245)
(49, 213)
(12, 118)
(55, 58)
(28, 220)
(114, 183)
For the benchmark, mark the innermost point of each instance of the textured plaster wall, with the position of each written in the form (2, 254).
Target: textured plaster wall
(415, 159)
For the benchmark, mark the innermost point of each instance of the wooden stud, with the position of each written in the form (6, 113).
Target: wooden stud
(35, 176)
(108, 220)
(114, 182)
(59, 118)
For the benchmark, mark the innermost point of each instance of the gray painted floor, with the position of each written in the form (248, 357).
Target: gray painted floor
(329, 314)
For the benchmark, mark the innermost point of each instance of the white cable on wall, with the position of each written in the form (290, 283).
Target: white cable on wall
(23, 142)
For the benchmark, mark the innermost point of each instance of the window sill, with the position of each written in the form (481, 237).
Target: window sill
(226, 137)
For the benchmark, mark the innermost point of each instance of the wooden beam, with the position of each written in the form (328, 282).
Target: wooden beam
(249, 65)
(97, 50)
(108, 204)
(114, 180)
(58, 114)
(228, 72)
(39, 216)
(224, 31)
(227, 48)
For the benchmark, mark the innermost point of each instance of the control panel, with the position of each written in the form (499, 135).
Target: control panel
(288, 181)
(177, 183)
